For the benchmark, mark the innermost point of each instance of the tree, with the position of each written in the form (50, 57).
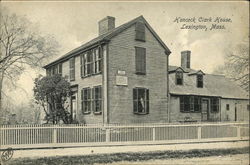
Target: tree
(21, 46)
(237, 65)
(52, 93)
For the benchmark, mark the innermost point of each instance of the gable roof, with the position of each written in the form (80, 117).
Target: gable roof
(196, 72)
(172, 69)
(214, 85)
(106, 37)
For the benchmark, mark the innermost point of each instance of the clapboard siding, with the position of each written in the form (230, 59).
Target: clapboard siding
(122, 57)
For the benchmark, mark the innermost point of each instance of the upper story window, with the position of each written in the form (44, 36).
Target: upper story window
(56, 69)
(139, 31)
(140, 60)
(179, 78)
(72, 69)
(98, 61)
(141, 100)
(91, 62)
(199, 81)
(228, 107)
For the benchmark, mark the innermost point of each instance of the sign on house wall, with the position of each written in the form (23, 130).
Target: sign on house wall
(121, 78)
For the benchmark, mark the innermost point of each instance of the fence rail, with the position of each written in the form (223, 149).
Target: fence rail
(33, 136)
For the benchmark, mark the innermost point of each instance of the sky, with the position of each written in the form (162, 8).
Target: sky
(74, 23)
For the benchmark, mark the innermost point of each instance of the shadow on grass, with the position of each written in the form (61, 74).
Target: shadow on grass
(133, 156)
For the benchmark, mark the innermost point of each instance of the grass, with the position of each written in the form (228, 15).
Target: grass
(117, 157)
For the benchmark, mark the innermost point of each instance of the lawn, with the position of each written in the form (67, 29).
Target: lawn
(128, 157)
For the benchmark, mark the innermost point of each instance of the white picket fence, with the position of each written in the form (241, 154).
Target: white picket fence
(36, 136)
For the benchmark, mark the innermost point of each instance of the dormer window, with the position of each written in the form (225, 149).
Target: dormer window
(179, 78)
(139, 31)
(199, 81)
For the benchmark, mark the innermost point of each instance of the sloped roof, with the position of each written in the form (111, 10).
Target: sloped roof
(196, 72)
(106, 37)
(213, 85)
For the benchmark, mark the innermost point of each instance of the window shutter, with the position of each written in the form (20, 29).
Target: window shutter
(147, 101)
(100, 98)
(93, 99)
(60, 69)
(81, 67)
(84, 64)
(140, 31)
(181, 103)
(72, 68)
(135, 101)
(94, 58)
(82, 101)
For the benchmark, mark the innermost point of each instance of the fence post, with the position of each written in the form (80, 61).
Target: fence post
(199, 132)
(107, 134)
(153, 133)
(54, 134)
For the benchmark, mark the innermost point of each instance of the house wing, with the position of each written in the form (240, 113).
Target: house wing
(214, 85)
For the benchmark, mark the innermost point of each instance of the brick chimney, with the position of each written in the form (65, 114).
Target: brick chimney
(185, 59)
(106, 24)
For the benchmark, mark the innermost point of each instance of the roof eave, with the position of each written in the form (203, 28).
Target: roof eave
(75, 53)
(222, 97)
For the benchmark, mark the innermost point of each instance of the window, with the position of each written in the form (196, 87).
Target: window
(179, 78)
(56, 69)
(214, 104)
(72, 69)
(97, 99)
(190, 104)
(141, 100)
(87, 63)
(248, 107)
(200, 81)
(140, 31)
(228, 107)
(140, 60)
(91, 62)
(98, 61)
(86, 100)
(197, 104)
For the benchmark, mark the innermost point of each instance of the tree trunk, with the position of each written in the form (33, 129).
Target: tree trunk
(1, 88)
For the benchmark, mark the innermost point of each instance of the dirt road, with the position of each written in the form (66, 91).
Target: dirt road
(240, 159)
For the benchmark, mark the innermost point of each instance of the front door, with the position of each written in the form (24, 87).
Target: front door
(204, 110)
(73, 106)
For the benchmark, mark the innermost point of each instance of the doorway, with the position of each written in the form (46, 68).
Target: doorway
(73, 105)
(204, 110)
